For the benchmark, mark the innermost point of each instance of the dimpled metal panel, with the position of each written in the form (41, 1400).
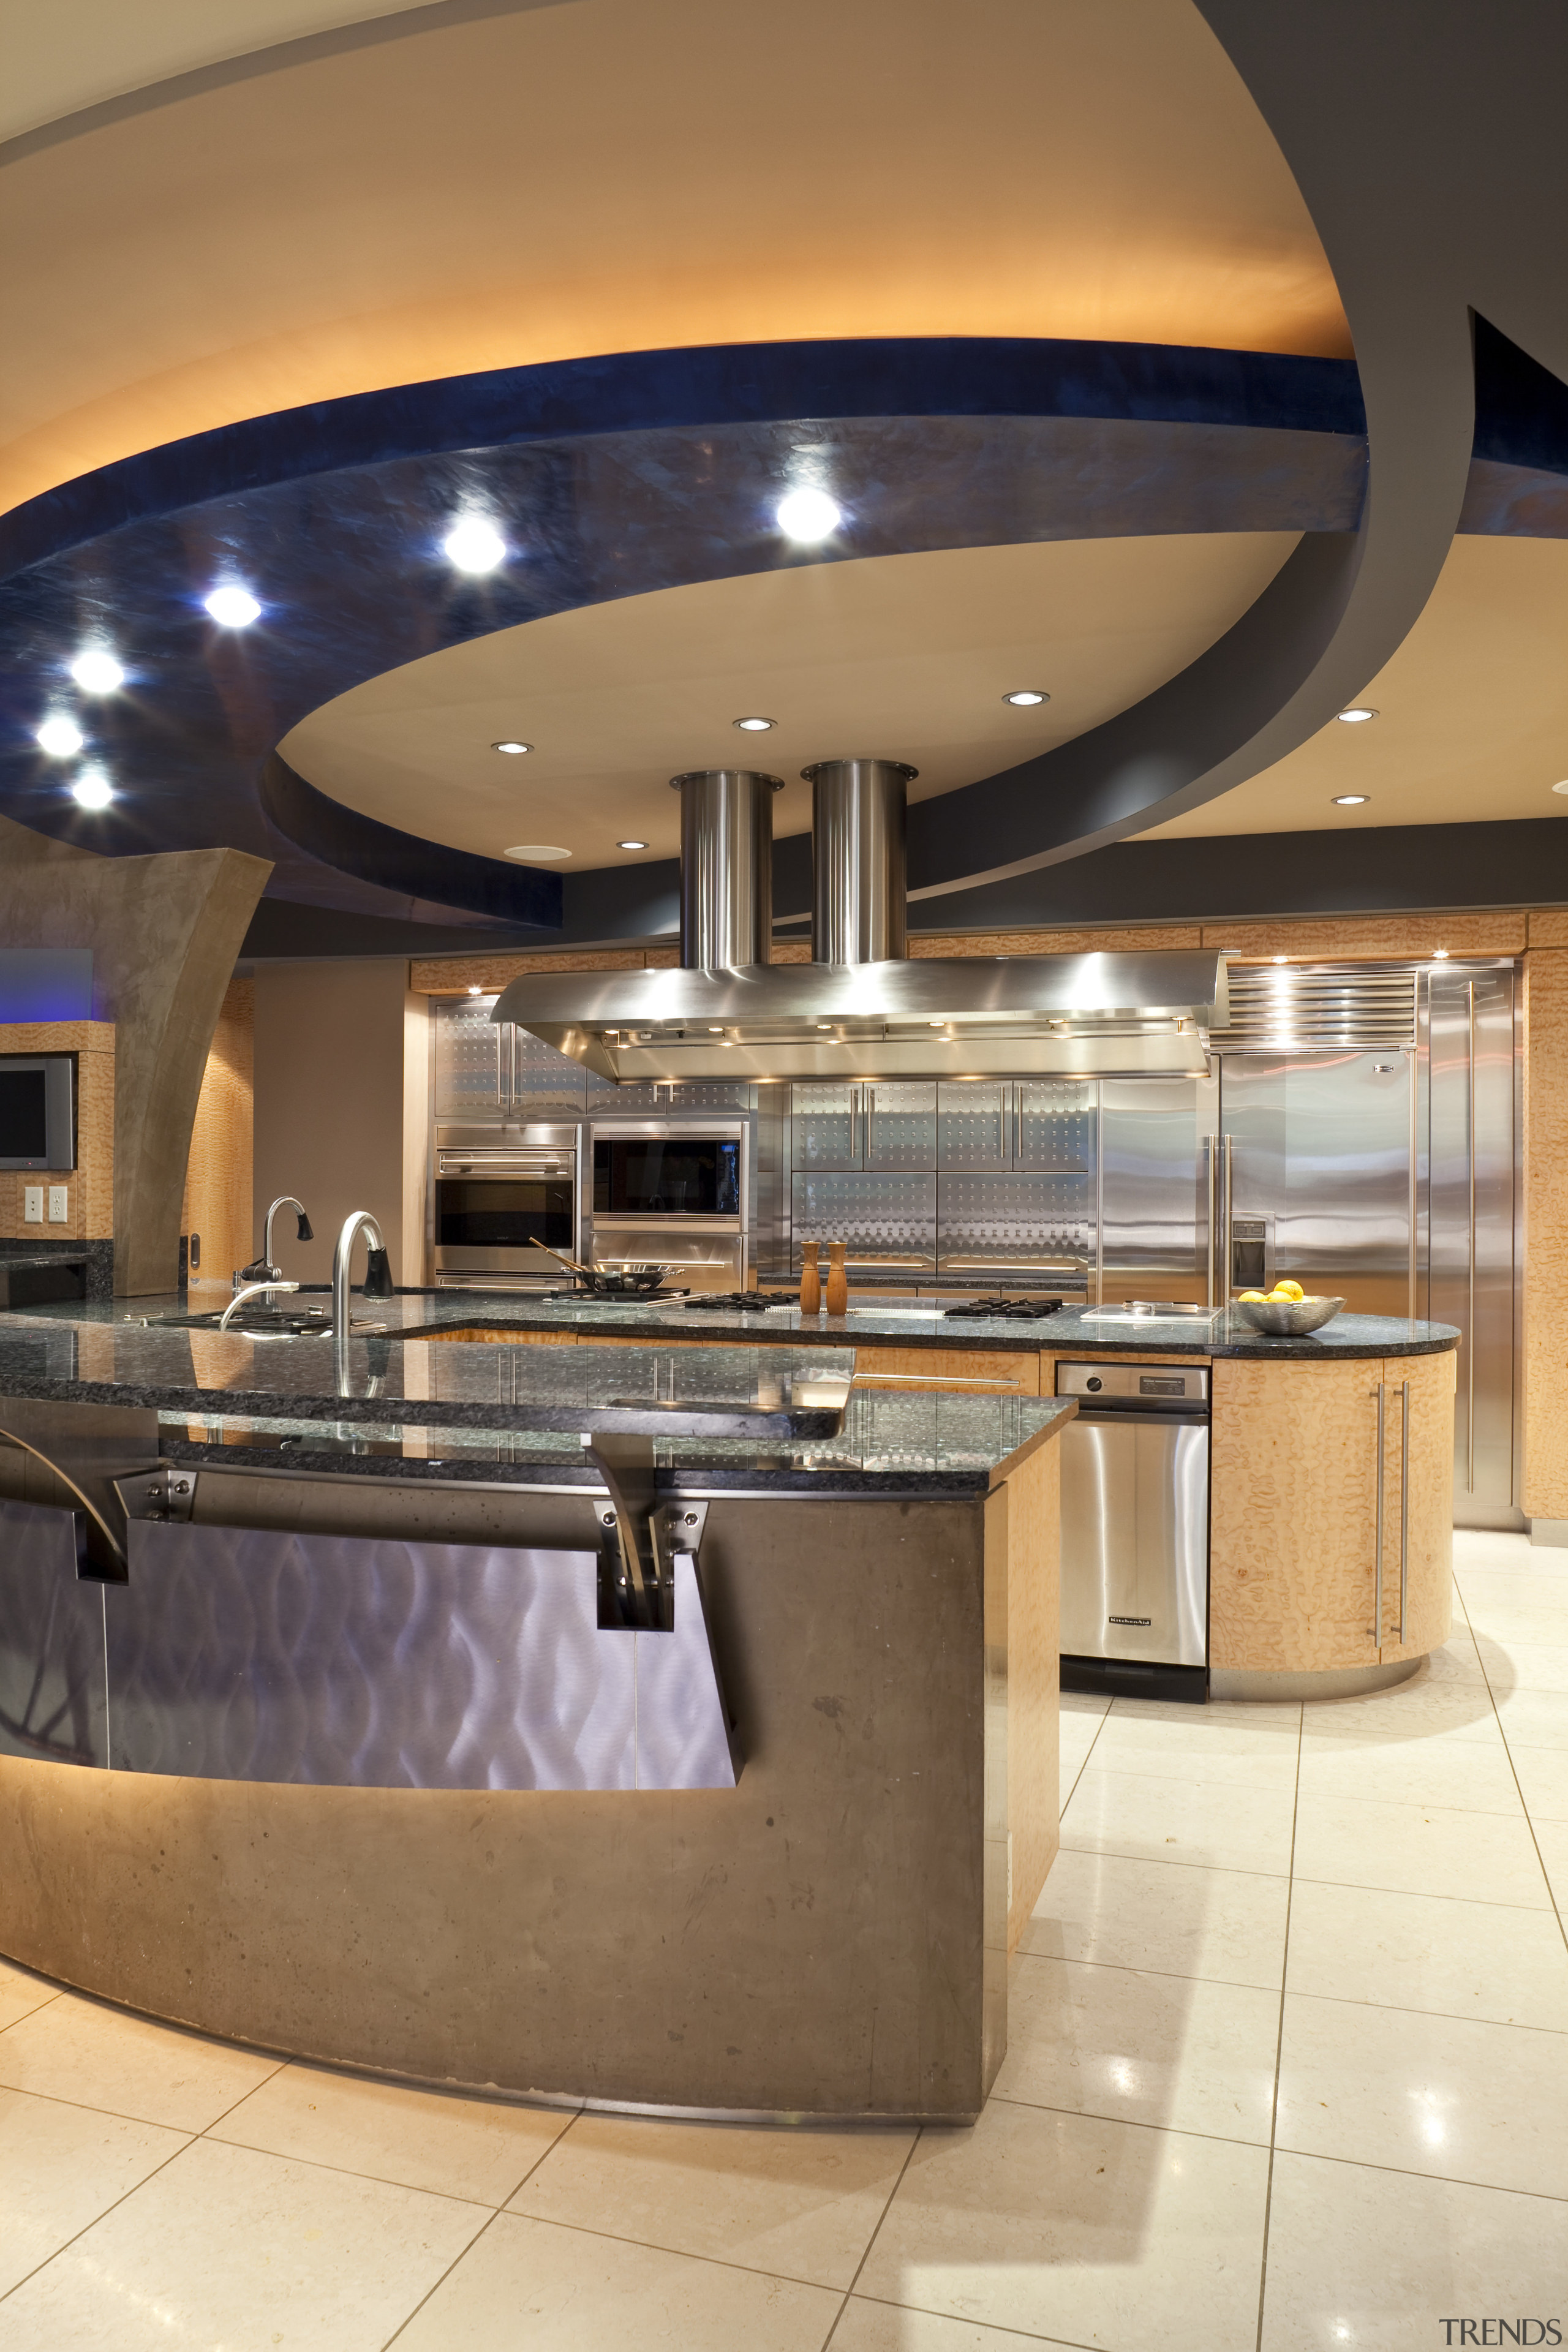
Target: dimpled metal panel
(254, 1654)
(51, 1642)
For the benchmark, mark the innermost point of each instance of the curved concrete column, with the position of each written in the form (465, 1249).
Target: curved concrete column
(164, 933)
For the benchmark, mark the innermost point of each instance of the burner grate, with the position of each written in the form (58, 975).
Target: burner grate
(1003, 1309)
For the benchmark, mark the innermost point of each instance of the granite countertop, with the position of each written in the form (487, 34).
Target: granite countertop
(1081, 1332)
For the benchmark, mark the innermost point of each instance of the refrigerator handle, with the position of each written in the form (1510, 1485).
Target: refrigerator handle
(1404, 1502)
(1211, 1176)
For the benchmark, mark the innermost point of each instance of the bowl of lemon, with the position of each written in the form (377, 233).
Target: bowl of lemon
(1286, 1312)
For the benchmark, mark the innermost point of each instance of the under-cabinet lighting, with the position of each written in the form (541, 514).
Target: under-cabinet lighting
(59, 738)
(96, 673)
(92, 789)
(232, 607)
(807, 515)
(473, 545)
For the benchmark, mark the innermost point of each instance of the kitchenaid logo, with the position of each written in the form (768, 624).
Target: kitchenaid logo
(1501, 2331)
(1130, 1620)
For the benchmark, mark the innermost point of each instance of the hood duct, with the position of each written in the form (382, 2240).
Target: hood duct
(860, 1008)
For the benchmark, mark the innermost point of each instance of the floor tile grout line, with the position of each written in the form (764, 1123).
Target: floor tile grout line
(876, 2233)
(66, 2243)
(1425, 1893)
(1280, 2044)
(460, 2256)
(1404, 2173)
(1133, 2123)
(679, 2253)
(115, 2114)
(376, 2179)
(1030, 2334)
(1529, 1816)
(1166, 1976)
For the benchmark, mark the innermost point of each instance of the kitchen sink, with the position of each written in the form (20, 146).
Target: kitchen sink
(257, 1323)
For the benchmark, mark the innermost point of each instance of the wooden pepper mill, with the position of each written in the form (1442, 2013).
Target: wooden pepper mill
(810, 1280)
(837, 1298)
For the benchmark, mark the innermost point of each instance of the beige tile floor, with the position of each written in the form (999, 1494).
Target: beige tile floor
(1288, 2071)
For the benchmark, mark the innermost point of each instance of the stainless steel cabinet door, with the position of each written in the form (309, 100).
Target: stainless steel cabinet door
(824, 1125)
(471, 1081)
(1135, 1538)
(975, 1124)
(1154, 1223)
(898, 1123)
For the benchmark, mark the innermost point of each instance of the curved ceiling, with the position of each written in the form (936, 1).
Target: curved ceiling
(905, 656)
(599, 176)
(59, 60)
(1472, 714)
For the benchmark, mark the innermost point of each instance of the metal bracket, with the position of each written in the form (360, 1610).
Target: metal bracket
(164, 1493)
(639, 1536)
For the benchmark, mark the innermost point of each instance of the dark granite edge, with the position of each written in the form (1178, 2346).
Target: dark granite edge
(687, 1478)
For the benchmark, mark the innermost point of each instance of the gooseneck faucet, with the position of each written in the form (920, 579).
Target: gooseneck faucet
(266, 1268)
(377, 1280)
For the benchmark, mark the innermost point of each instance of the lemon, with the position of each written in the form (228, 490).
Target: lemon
(1289, 1290)
(1249, 1294)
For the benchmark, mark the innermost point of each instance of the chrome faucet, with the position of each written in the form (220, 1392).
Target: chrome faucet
(377, 1278)
(265, 1270)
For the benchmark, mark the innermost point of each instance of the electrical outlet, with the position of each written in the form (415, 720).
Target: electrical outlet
(59, 1212)
(32, 1205)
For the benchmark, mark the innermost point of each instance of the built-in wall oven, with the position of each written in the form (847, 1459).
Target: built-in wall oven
(503, 1198)
(672, 1191)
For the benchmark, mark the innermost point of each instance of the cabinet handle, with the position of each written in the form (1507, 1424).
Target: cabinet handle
(1377, 1569)
(1471, 1331)
(1403, 1502)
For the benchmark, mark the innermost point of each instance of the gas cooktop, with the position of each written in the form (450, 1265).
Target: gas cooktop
(1001, 1309)
(617, 1297)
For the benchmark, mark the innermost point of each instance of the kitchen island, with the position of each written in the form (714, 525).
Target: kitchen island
(498, 1717)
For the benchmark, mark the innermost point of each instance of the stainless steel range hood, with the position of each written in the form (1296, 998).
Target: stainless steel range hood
(860, 1008)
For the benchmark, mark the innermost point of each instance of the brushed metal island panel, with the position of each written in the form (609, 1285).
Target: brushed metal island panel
(239, 1654)
(51, 1642)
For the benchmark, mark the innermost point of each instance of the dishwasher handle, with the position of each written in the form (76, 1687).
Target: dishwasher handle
(1106, 1411)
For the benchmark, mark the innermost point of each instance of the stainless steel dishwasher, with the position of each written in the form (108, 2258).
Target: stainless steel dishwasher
(1135, 1530)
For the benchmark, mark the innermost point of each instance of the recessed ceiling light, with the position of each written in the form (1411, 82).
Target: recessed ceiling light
(233, 608)
(1357, 717)
(474, 546)
(92, 789)
(1352, 800)
(515, 750)
(536, 853)
(96, 673)
(59, 738)
(1563, 787)
(1023, 697)
(631, 844)
(807, 515)
(753, 726)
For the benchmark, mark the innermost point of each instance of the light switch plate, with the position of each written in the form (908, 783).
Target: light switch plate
(32, 1205)
(58, 1211)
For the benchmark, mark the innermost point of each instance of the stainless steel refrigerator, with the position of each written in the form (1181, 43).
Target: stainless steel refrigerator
(1359, 1132)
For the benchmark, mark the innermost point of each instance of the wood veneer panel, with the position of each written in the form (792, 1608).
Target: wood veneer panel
(454, 975)
(512, 1339)
(1055, 943)
(90, 1186)
(1023, 1548)
(915, 1368)
(219, 1202)
(1430, 1569)
(1358, 936)
(1549, 927)
(1293, 1508)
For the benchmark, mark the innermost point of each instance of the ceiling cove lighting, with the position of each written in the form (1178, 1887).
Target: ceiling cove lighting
(536, 853)
(753, 726)
(232, 607)
(1356, 800)
(97, 672)
(59, 738)
(1023, 697)
(92, 789)
(1357, 717)
(514, 751)
(474, 545)
(807, 515)
(631, 844)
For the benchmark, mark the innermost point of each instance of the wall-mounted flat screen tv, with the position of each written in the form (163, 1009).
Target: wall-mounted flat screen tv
(38, 1122)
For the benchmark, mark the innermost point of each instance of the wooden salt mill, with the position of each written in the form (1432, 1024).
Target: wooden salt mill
(810, 1280)
(837, 1298)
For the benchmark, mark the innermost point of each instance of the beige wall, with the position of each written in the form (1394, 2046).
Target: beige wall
(333, 1088)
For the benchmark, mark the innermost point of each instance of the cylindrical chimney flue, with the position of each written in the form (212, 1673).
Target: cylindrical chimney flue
(726, 866)
(857, 859)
